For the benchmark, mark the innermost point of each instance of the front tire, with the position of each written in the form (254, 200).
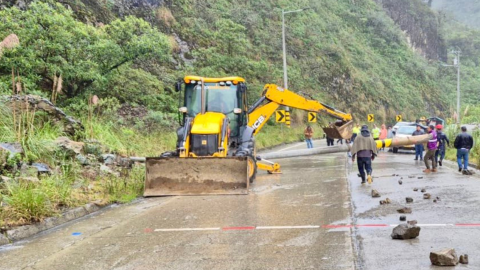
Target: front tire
(395, 150)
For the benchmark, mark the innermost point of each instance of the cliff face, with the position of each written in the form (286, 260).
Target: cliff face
(420, 25)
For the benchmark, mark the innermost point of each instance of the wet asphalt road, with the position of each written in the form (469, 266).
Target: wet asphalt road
(315, 215)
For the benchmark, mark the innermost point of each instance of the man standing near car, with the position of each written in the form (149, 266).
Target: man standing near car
(418, 146)
(463, 143)
(431, 148)
(365, 149)
(442, 140)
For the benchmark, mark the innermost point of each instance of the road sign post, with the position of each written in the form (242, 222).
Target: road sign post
(371, 118)
(312, 117)
(280, 116)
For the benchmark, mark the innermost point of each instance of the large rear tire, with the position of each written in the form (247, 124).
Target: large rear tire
(252, 168)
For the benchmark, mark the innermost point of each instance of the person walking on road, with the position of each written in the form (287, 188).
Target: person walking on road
(330, 141)
(365, 149)
(442, 140)
(389, 132)
(308, 136)
(463, 143)
(418, 146)
(340, 141)
(355, 132)
(375, 132)
(431, 148)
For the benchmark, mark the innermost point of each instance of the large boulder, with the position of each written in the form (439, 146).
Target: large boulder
(444, 257)
(405, 231)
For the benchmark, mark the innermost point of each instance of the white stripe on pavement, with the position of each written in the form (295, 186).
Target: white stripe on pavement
(186, 229)
(287, 227)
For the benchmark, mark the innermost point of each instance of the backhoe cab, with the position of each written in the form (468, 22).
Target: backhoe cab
(215, 151)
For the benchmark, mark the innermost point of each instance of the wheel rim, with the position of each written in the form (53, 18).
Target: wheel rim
(251, 167)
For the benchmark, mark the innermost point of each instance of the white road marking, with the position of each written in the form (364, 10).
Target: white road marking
(186, 229)
(287, 227)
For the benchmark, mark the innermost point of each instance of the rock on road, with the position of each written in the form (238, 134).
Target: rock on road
(315, 215)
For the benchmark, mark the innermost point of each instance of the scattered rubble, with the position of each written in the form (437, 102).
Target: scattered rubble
(434, 200)
(426, 196)
(420, 177)
(400, 182)
(387, 201)
(409, 199)
(71, 148)
(405, 231)
(445, 257)
(411, 176)
(403, 218)
(405, 210)
(464, 259)
(383, 202)
(415, 189)
(423, 190)
(438, 198)
(375, 193)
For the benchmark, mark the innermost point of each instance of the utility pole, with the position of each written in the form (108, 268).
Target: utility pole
(456, 64)
(285, 75)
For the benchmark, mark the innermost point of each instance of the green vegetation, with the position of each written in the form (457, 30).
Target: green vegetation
(349, 54)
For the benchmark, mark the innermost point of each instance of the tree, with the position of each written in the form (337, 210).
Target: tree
(55, 44)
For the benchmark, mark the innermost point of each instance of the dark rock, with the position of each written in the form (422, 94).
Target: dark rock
(420, 177)
(400, 182)
(412, 222)
(11, 148)
(415, 189)
(375, 193)
(405, 210)
(42, 168)
(464, 259)
(382, 202)
(109, 159)
(426, 196)
(387, 201)
(409, 199)
(411, 176)
(423, 190)
(403, 218)
(434, 201)
(405, 231)
(438, 198)
(445, 257)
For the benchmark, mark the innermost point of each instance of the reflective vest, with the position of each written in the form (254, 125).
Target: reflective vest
(376, 133)
(356, 130)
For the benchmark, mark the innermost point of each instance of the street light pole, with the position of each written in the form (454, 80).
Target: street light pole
(285, 75)
(456, 64)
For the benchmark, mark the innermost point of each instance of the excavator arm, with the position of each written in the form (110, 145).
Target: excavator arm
(274, 96)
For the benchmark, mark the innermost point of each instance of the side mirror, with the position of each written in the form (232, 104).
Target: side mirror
(178, 86)
(183, 109)
(237, 111)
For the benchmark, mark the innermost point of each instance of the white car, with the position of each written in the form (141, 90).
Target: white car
(404, 131)
(400, 124)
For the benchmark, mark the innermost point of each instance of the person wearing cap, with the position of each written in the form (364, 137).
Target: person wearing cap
(418, 146)
(365, 148)
(463, 143)
(431, 148)
(442, 139)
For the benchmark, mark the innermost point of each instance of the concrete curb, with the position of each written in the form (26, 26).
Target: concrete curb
(25, 231)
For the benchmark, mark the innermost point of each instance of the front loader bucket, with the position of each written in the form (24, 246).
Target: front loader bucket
(339, 130)
(196, 176)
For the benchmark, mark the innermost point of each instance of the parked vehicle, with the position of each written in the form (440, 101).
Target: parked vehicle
(403, 132)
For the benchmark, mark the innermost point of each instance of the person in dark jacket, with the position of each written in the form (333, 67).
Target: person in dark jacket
(419, 146)
(365, 148)
(463, 143)
(442, 140)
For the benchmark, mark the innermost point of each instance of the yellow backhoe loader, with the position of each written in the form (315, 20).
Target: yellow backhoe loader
(215, 151)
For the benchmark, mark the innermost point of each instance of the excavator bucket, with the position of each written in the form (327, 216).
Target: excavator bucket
(196, 176)
(339, 130)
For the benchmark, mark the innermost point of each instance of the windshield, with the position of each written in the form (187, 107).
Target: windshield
(219, 97)
(406, 130)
